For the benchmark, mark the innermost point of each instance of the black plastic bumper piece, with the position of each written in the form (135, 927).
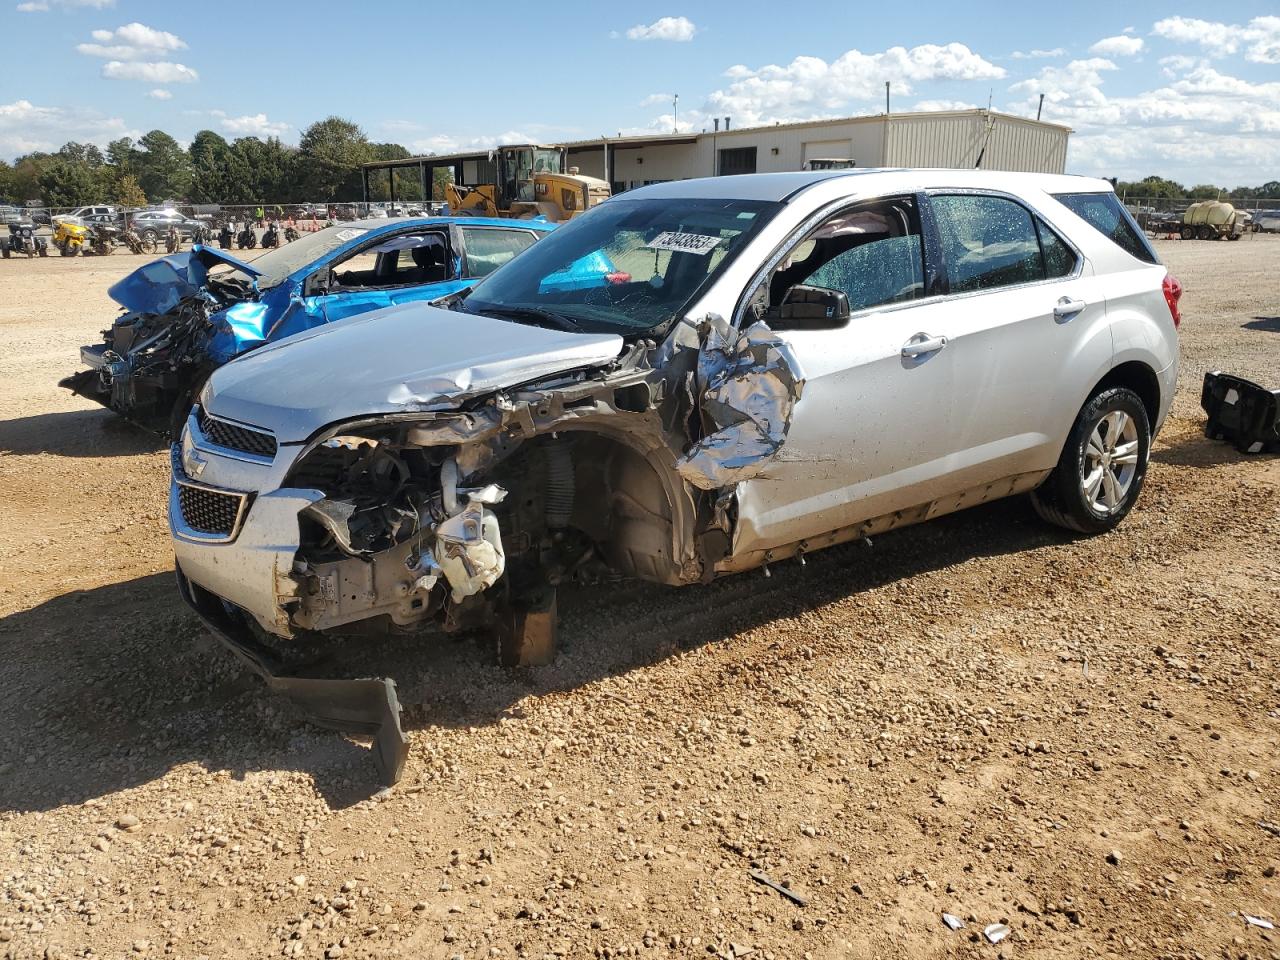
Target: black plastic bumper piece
(368, 707)
(1241, 413)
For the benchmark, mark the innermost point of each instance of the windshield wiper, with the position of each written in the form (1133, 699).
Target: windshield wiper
(524, 314)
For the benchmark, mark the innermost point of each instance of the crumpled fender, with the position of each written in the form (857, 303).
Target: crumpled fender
(159, 286)
(748, 384)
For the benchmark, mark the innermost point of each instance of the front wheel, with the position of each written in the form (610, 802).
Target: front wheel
(1102, 467)
(147, 243)
(1188, 233)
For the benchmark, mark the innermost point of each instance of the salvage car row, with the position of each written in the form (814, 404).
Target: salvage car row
(695, 379)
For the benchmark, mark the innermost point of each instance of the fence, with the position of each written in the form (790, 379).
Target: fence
(1152, 212)
(303, 215)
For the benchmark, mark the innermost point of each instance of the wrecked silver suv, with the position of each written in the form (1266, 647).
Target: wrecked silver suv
(629, 397)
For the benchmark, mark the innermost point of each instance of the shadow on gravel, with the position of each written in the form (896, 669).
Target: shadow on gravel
(1197, 450)
(1269, 324)
(111, 688)
(77, 433)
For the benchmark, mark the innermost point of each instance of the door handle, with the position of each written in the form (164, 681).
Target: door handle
(1066, 308)
(921, 344)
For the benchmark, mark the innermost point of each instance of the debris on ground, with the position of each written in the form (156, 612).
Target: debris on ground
(996, 932)
(760, 877)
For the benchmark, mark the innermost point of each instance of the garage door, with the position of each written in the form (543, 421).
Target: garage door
(828, 150)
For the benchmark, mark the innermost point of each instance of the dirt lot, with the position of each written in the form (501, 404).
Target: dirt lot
(980, 715)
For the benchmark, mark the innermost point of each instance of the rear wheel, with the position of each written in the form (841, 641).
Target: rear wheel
(1188, 233)
(1102, 467)
(1206, 232)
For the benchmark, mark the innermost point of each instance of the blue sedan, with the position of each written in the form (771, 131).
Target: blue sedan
(189, 313)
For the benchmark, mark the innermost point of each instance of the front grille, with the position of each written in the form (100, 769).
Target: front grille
(209, 511)
(235, 437)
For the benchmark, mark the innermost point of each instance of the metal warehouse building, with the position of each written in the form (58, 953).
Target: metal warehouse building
(960, 138)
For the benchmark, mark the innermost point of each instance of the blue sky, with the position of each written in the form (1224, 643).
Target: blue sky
(1190, 91)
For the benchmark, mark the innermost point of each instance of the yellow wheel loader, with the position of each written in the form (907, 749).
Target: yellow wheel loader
(532, 181)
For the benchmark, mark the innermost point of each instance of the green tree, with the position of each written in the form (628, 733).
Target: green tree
(1205, 191)
(27, 171)
(127, 192)
(163, 168)
(65, 183)
(85, 153)
(123, 155)
(329, 154)
(7, 182)
(1157, 187)
(215, 177)
(270, 165)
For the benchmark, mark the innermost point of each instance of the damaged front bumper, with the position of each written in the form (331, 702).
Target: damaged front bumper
(367, 707)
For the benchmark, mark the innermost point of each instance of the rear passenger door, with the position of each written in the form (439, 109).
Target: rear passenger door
(485, 249)
(1022, 314)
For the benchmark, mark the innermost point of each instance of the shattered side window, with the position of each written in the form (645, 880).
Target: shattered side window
(873, 254)
(1106, 214)
(987, 242)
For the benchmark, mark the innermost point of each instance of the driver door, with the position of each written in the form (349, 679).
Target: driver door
(382, 275)
(869, 434)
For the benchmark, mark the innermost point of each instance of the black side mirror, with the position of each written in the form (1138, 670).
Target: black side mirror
(810, 308)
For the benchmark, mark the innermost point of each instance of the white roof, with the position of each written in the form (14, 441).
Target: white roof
(782, 186)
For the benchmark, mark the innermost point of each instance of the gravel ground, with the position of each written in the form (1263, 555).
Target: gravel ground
(1076, 738)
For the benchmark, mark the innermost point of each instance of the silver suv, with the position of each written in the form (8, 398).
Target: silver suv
(694, 379)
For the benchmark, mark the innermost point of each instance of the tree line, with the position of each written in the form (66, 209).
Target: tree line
(1161, 189)
(325, 166)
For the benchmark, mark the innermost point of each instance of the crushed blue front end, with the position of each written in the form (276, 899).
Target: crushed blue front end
(189, 313)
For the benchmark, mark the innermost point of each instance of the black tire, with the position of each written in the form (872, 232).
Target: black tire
(1188, 233)
(1061, 499)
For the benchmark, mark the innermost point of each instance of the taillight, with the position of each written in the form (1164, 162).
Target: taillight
(1172, 294)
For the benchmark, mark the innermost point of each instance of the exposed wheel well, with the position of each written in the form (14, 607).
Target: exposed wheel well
(1139, 378)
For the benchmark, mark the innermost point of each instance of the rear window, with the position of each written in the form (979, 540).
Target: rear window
(1106, 214)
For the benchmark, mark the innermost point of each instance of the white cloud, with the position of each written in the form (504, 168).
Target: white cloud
(160, 94)
(161, 71)
(678, 29)
(251, 126)
(25, 126)
(1120, 46)
(133, 41)
(1038, 54)
(1079, 82)
(1259, 40)
(809, 87)
(442, 143)
(932, 105)
(1163, 130)
(43, 6)
(656, 100)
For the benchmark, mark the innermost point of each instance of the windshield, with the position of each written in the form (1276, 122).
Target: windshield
(277, 264)
(627, 266)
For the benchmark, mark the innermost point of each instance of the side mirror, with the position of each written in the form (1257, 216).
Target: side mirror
(810, 308)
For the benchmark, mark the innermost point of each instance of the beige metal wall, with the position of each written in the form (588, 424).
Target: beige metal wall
(901, 140)
(1002, 143)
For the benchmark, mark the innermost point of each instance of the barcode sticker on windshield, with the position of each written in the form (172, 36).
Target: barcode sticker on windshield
(684, 243)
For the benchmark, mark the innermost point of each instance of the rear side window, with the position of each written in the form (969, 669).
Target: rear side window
(1059, 259)
(1106, 214)
(488, 248)
(987, 242)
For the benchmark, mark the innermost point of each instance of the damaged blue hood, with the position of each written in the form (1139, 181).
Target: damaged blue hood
(161, 285)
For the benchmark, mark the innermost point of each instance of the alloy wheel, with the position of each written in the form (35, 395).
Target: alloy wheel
(1110, 462)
